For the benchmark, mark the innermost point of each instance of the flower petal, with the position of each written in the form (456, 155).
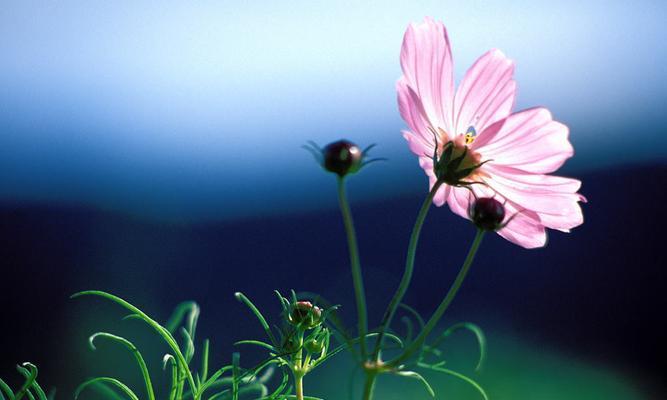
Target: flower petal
(443, 192)
(459, 200)
(554, 199)
(486, 93)
(426, 60)
(528, 140)
(524, 229)
(412, 111)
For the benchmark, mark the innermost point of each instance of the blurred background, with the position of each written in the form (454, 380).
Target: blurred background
(152, 150)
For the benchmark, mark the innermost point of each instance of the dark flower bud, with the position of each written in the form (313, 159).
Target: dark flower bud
(487, 213)
(304, 314)
(342, 157)
(290, 344)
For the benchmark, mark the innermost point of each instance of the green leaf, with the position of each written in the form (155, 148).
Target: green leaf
(214, 381)
(5, 387)
(30, 376)
(479, 335)
(189, 345)
(256, 343)
(414, 313)
(137, 355)
(104, 379)
(456, 375)
(204, 361)
(174, 374)
(255, 387)
(415, 375)
(35, 386)
(186, 308)
(242, 298)
(162, 331)
(236, 361)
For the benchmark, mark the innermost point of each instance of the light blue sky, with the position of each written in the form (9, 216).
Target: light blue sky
(189, 110)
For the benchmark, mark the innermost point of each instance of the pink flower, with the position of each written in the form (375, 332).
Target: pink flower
(503, 154)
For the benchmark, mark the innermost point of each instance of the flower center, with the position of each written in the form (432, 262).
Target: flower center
(453, 160)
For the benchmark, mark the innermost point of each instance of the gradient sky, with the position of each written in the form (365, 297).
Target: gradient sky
(191, 111)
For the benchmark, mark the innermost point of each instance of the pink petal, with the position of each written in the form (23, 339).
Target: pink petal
(459, 200)
(528, 140)
(426, 60)
(524, 229)
(486, 93)
(443, 192)
(442, 195)
(417, 145)
(554, 199)
(411, 109)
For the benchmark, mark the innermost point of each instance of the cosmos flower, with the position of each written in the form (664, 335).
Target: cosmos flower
(469, 140)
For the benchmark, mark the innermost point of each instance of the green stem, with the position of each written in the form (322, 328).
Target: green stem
(298, 382)
(435, 318)
(355, 264)
(369, 386)
(407, 274)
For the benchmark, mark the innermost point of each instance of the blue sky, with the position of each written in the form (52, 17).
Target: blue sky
(196, 111)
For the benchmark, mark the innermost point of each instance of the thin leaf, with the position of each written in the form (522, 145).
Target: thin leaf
(204, 361)
(256, 387)
(182, 310)
(456, 375)
(137, 355)
(5, 387)
(174, 374)
(105, 379)
(35, 386)
(414, 313)
(162, 331)
(415, 375)
(236, 360)
(213, 380)
(189, 345)
(30, 375)
(257, 343)
(242, 298)
(479, 335)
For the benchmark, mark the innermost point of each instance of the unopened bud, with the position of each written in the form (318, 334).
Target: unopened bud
(342, 157)
(488, 213)
(304, 314)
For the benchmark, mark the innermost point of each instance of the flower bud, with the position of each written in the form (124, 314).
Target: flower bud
(314, 346)
(304, 314)
(487, 213)
(342, 157)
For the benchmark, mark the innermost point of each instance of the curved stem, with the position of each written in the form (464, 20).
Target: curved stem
(409, 267)
(435, 318)
(355, 264)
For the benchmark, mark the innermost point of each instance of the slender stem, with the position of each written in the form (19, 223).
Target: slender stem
(298, 382)
(355, 264)
(435, 318)
(369, 386)
(409, 267)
